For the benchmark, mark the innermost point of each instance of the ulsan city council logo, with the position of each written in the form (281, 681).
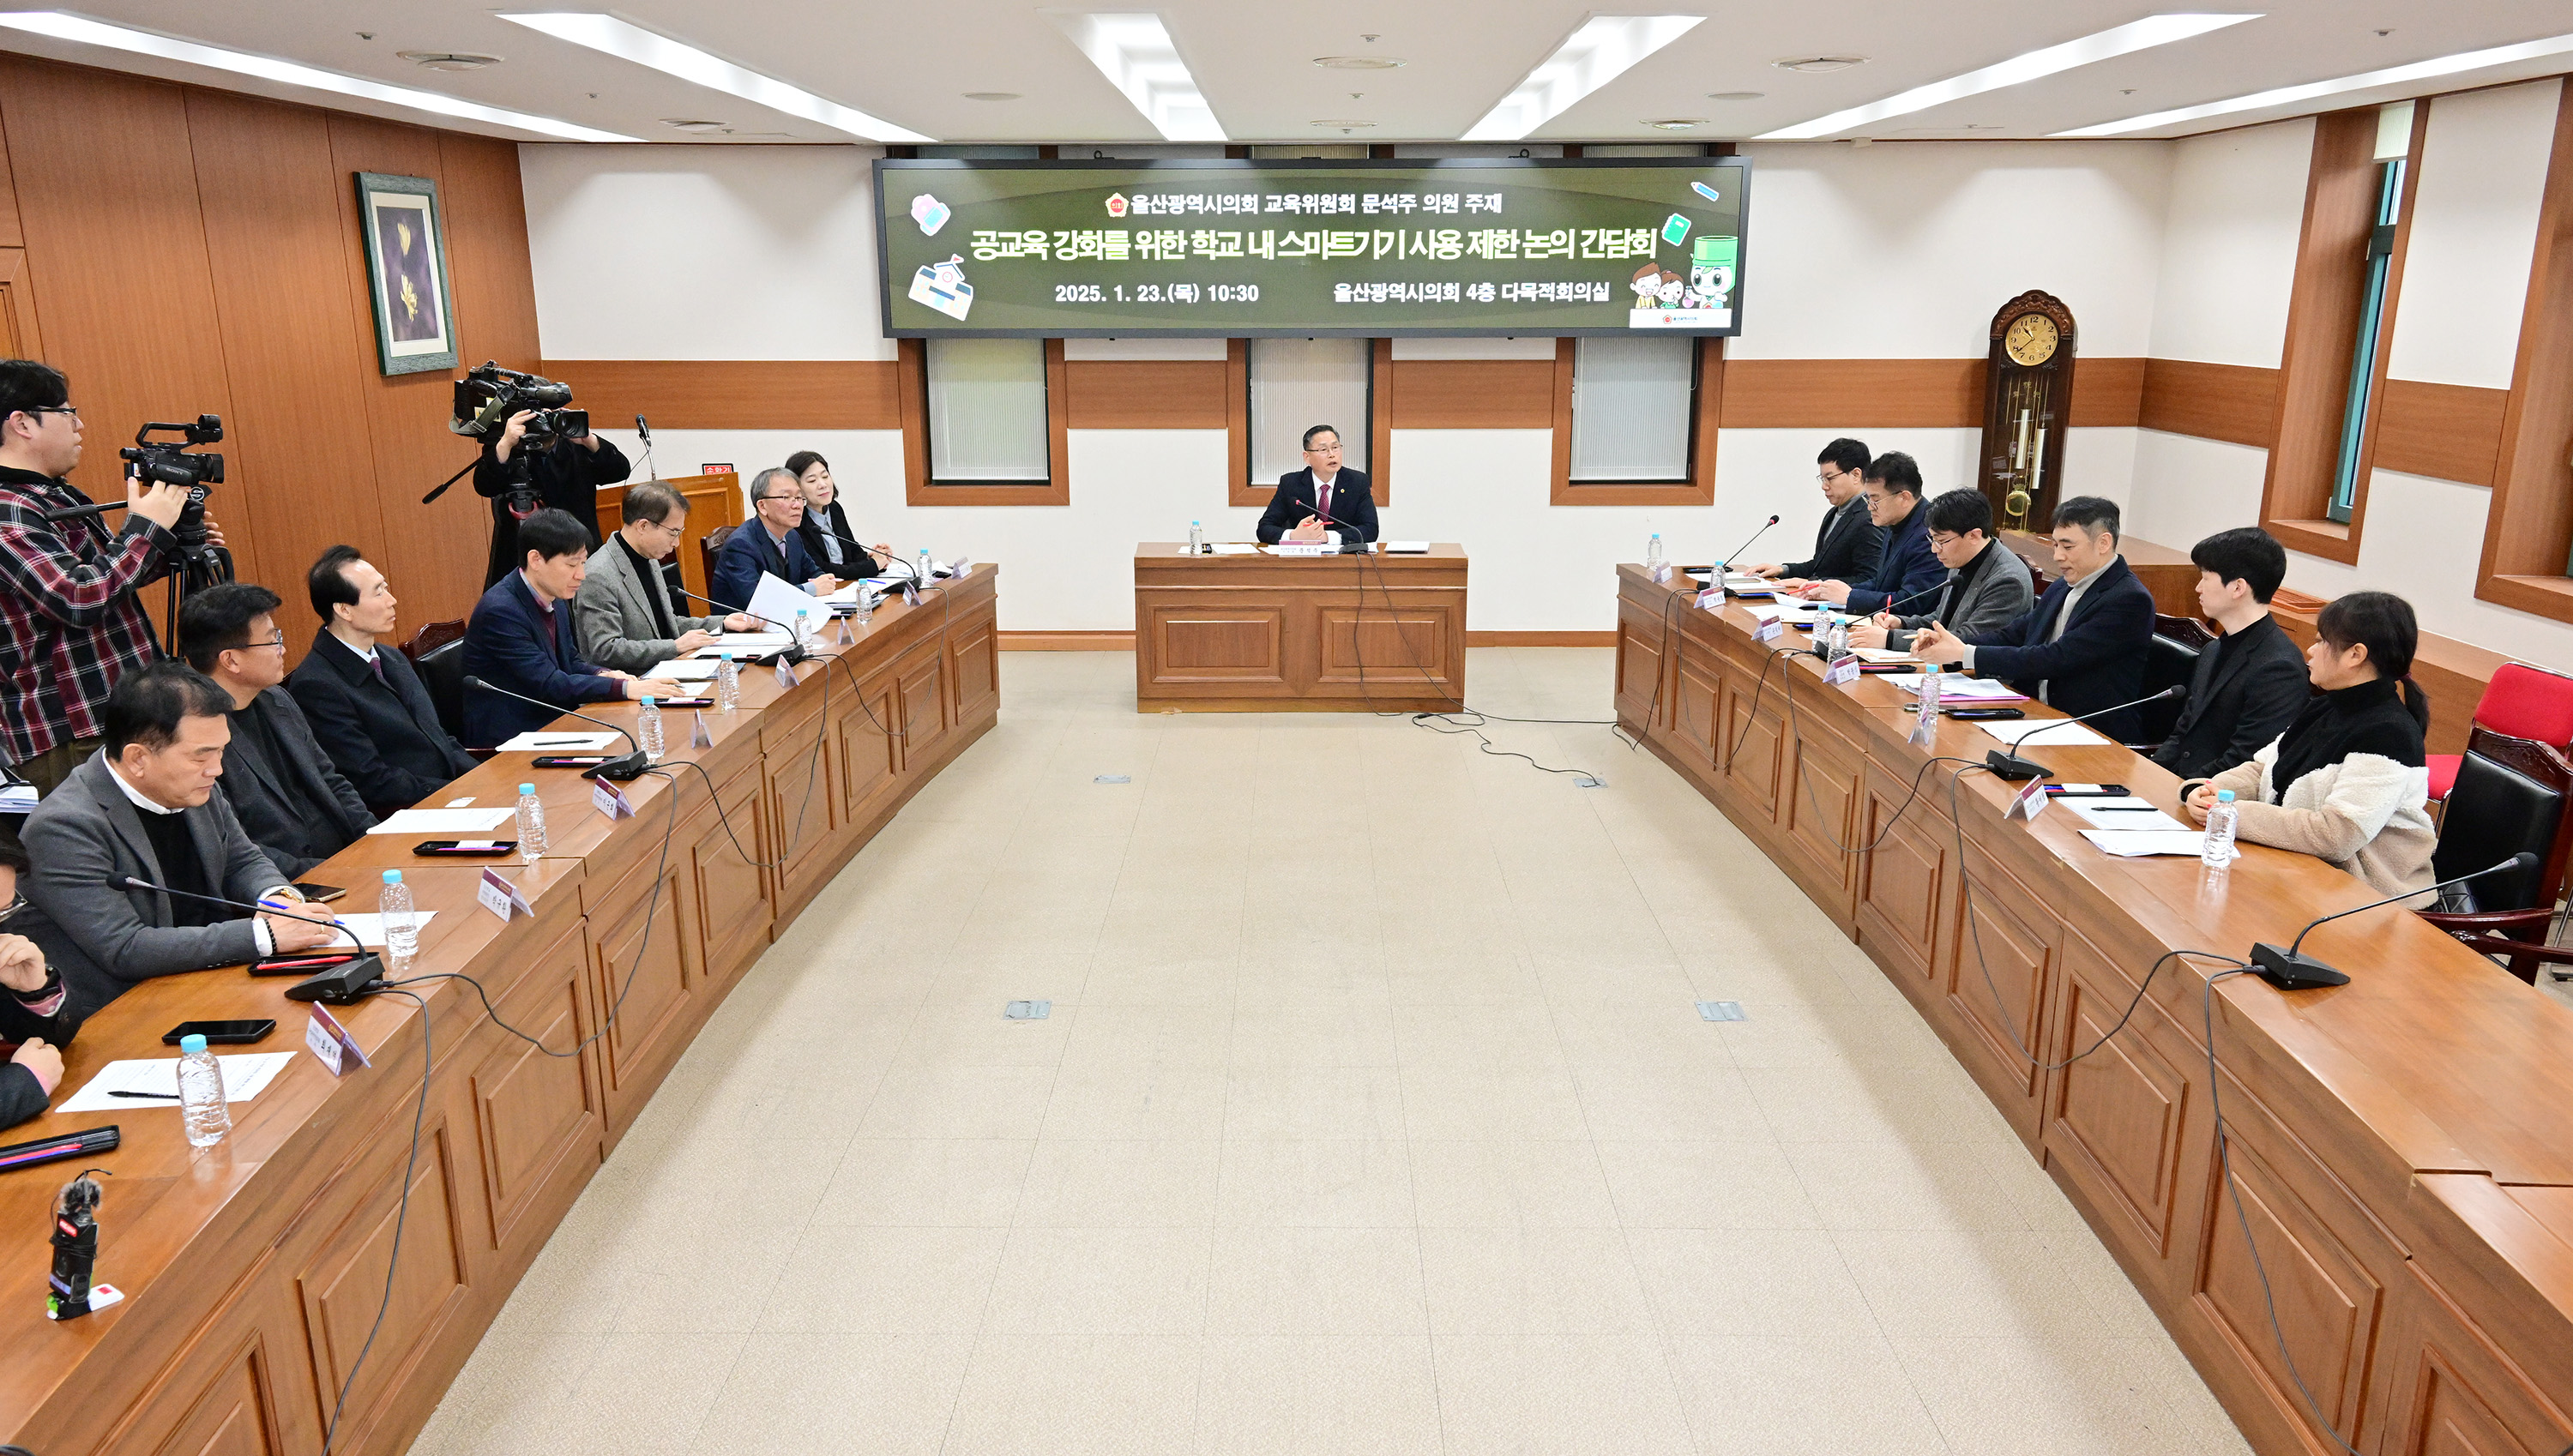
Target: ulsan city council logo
(1116, 204)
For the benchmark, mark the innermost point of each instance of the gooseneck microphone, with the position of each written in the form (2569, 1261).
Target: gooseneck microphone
(338, 986)
(1725, 563)
(795, 653)
(631, 766)
(2289, 971)
(2011, 766)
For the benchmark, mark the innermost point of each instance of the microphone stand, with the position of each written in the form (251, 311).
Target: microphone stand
(631, 766)
(1724, 564)
(2012, 767)
(338, 986)
(2289, 971)
(794, 653)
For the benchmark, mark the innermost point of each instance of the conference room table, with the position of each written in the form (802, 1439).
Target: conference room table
(2401, 1148)
(1261, 632)
(254, 1269)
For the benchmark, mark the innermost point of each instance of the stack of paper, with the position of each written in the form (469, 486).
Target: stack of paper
(445, 821)
(542, 742)
(2129, 815)
(1885, 654)
(2142, 843)
(1236, 548)
(245, 1075)
(1953, 688)
(2049, 732)
(688, 669)
(747, 644)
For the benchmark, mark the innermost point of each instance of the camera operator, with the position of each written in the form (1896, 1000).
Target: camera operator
(565, 472)
(69, 622)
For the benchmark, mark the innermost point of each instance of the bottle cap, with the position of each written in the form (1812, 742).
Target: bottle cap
(2224, 795)
(526, 788)
(191, 1043)
(647, 697)
(723, 657)
(393, 876)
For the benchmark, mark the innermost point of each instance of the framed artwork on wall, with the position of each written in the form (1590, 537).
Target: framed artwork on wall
(406, 273)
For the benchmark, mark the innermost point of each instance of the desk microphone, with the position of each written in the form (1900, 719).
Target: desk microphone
(1725, 565)
(631, 766)
(2011, 766)
(864, 549)
(338, 986)
(2289, 971)
(1353, 547)
(795, 653)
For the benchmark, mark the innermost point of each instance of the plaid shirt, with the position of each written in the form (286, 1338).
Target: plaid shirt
(69, 622)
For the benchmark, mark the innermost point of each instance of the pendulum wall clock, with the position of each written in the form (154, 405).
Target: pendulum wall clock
(2027, 397)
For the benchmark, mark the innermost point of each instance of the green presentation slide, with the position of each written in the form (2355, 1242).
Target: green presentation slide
(1368, 248)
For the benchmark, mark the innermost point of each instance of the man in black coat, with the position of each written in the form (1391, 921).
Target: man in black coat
(367, 707)
(2082, 648)
(2251, 682)
(292, 803)
(565, 474)
(1320, 502)
(1847, 544)
(34, 1002)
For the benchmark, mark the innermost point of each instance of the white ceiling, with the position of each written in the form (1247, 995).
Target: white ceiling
(912, 63)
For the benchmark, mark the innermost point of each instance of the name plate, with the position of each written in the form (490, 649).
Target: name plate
(2029, 802)
(1843, 670)
(701, 736)
(610, 800)
(1711, 599)
(501, 898)
(331, 1043)
(1305, 548)
(1769, 631)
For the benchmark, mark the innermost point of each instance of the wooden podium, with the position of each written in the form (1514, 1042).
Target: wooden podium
(1272, 634)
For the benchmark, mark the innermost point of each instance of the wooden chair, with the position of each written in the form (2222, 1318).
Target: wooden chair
(710, 546)
(431, 636)
(2509, 795)
(2522, 702)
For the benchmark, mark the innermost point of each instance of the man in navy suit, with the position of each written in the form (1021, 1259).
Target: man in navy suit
(771, 542)
(2082, 648)
(1908, 569)
(1320, 500)
(368, 708)
(521, 639)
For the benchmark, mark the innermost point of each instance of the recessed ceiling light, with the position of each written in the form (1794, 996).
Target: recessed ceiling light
(991, 96)
(1676, 122)
(628, 42)
(1818, 65)
(2289, 95)
(1735, 95)
(683, 124)
(1597, 54)
(1136, 55)
(2140, 35)
(81, 29)
(1359, 63)
(448, 60)
(1345, 125)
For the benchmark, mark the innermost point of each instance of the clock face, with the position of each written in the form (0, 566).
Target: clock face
(2031, 339)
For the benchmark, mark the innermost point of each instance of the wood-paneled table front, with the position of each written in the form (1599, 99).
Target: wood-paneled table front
(254, 1268)
(2403, 1147)
(1271, 634)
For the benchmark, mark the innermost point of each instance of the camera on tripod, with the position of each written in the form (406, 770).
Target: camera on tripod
(489, 394)
(168, 461)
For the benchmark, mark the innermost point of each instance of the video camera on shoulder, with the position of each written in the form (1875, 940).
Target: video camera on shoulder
(489, 394)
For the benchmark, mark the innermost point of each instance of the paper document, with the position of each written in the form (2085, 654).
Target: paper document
(745, 644)
(1885, 654)
(1766, 611)
(369, 930)
(2137, 845)
(443, 821)
(245, 1075)
(778, 601)
(2129, 815)
(688, 669)
(1953, 688)
(556, 743)
(2049, 732)
(1236, 548)
(1408, 548)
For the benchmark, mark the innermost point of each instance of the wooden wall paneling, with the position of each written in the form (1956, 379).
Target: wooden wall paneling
(861, 393)
(1854, 394)
(538, 1120)
(13, 232)
(2107, 392)
(2528, 529)
(726, 858)
(1380, 408)
(2234, 403)
(302, 473)
(714, 501)
(2446, 431)
(18, 305)
(1704, 433)
(1146, 393)
(648, 988)
(341, 1275)
(2125, 1125)
(1474, 394)
(1238, 489)
(495, 285)
(1566, 360)
(2000, 985)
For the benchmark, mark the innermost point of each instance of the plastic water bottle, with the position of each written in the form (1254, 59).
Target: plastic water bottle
(924, 565)
(1653, 557)
(1930, 694)
(401, 925)
(803, 632)
(647, 723)
(727, 684)
(1197, 539)
(2218, 849)
(532, 824)
(202, 1105)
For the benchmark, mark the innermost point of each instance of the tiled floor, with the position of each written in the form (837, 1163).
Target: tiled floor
(1372, 1115)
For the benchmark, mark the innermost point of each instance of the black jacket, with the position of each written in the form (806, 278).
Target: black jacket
(750, 550)
(1352, 506)
(21, 1096)
(1846, 547)
(2248, 687)
(383, 734)
(832, 521)
(290, 799)
(2098, 663)
(567, 478)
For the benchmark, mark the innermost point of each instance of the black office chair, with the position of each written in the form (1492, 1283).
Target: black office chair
(441, 671)
(2509, 797)
(2170, 661)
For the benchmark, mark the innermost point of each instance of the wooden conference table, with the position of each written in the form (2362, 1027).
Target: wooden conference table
(1260, 633)
(2402, 1145)
(255, 1269)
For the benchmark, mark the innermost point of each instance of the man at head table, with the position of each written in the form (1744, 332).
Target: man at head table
(1323, 501)
(770, 543)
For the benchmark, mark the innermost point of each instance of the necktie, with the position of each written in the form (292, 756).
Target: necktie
(378, 663)
(1322, 502)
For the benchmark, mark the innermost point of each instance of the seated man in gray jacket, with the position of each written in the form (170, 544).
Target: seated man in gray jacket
(622, 616)
(146, 806)
(1987, 585)
(290, 799)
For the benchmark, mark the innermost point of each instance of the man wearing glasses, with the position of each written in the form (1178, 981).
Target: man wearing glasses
(69, 623)
(623, 615)
(769, 543)
(290, 799)
(1848, 546)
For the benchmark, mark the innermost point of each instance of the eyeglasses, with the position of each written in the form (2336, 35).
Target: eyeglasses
(71, 410)
(16, 903)
(277, 642)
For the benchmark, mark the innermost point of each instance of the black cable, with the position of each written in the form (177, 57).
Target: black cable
(393, 1265)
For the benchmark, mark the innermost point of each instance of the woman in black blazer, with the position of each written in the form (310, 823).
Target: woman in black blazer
(827, 536)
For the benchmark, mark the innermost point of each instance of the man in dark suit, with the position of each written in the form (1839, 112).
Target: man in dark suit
(145, 805)
(522, 638)
(2251, 682)
(1909, 571)
(367, 709)
(1322, 501)
(2082, 648)
(292, 803)
(769, 541)
(1848, 546)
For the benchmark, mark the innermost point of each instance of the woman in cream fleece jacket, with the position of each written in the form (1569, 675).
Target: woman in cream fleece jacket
(2348, 781)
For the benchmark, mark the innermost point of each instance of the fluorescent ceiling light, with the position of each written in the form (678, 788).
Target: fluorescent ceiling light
(2290, 95)
(2145, 34)
(1598, 53)
(627, 42)
(82, 30)
(1136, 54)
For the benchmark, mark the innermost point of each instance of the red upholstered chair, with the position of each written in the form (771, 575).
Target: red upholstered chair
(2511, 796)
(2520, 702)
